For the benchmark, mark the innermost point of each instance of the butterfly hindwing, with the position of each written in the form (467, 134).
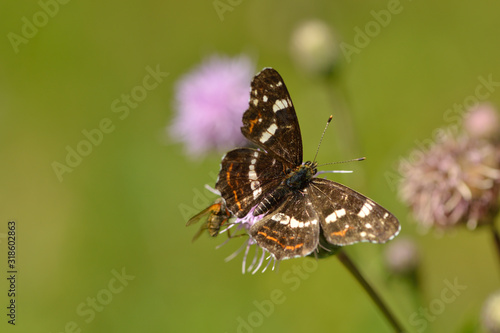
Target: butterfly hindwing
(270, 121)
(349, 217)
(245, 175)
(292, 230)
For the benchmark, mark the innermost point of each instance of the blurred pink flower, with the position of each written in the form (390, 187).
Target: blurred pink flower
(402, 256)
(456, 181)
(482, 122)
(209, 103)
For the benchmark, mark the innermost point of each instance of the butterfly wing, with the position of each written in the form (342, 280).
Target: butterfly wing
(246, 174)
(292, 230)
(348, 217)
(270, 121)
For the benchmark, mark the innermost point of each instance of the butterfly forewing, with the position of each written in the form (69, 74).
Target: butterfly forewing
(245, 175)
(270, 121)
(349, 217)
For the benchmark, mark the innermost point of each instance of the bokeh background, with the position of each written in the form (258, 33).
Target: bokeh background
(119, 210)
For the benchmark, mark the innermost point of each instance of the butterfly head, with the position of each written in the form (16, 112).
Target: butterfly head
(299, 177)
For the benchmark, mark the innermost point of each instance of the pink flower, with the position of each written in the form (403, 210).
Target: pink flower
(209, 103)
(258, 260)
(456, 181)
(402, 256)
(482, 122)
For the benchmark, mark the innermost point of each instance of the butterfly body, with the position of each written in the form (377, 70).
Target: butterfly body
(296, 208)
(300, 177)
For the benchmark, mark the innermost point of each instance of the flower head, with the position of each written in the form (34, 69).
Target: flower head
(456, 181)
(245, 223)
(219, 220)
(491, 313)
(482, 122)
(314, 47)
(209, 104)
(402, 256)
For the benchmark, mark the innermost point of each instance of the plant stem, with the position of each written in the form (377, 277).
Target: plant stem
(496, 238)
(347, 262)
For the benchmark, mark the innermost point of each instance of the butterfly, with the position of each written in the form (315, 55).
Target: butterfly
(217, 215)
(272, 181)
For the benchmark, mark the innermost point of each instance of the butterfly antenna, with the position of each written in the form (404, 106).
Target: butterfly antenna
(322, 135)
(339, 171)
(348, 161)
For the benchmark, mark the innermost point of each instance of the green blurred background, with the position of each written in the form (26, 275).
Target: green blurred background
(119, 209)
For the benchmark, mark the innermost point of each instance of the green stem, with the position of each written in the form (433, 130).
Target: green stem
(347, 262)
(496, 238)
